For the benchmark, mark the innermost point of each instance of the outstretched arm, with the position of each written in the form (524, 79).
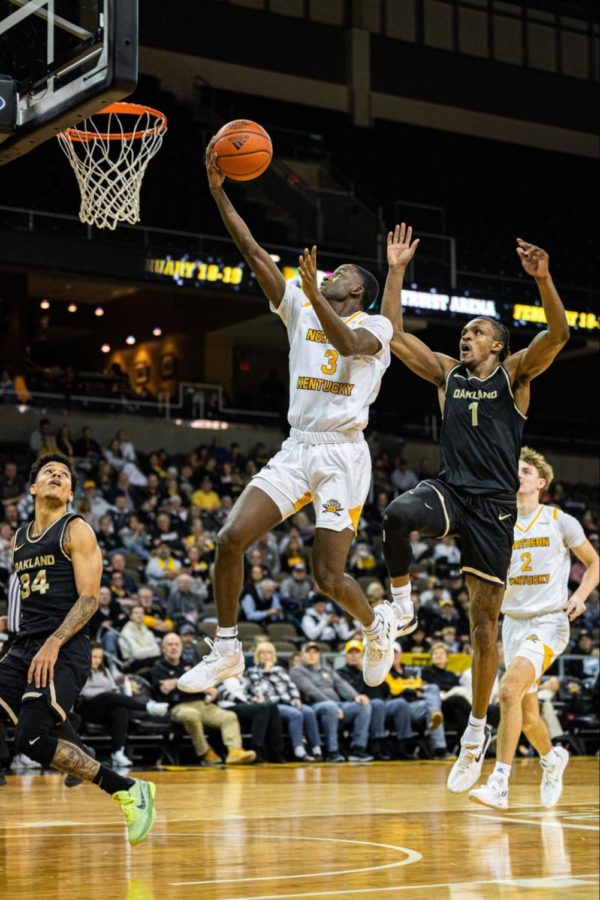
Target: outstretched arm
(527, 364)
(267, 274)
(412, 351)
(80, 542)
(588, 556)
(347, 341)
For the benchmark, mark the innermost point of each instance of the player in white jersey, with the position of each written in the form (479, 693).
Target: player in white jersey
(338, 355)
(537, 610)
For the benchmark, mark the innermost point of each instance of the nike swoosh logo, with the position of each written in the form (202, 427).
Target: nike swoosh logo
(141, 805)
(31, 743)
(20, 547)
(507, 516)
(428, 506)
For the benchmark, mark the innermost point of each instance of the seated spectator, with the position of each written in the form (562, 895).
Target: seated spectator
(190, 650)
(137, 643)
(269, 553)
(450, 640)
(262, 603)
(334, 701)
(206, 498)
(434, 592)
(102, 701)
(107, 539)
(446, 556)
(164, 532)
(135, 538)
(98, 505)
(271, 682)
(422, 706)
(455, 705)
(36, 438)
(260, 716)
(185, 605)
(375, 593)
(416, 642)
(117, 564)
(12, 486)
(305, 528)
(587, 665)
(362, 561)
(420, 549)
(194, 711)
(120, 512)
(321, 622)
(6, 541)
(87, 448)
(292, 534)
(117, 589)
(7, 389)
(162, 568)
(377, 696)
(403, 478)
(154, 614)
(107, 620)
(445, 614)
(591, 617)
(296, 591)
(293, 555)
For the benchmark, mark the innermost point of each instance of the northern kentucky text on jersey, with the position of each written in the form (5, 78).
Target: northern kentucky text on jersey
(34, 562)
(307, 383)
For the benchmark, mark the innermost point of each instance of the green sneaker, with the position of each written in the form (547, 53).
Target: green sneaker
(138, 808)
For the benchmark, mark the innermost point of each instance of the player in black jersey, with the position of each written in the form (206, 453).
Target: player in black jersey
(58, 562)
(484, 398)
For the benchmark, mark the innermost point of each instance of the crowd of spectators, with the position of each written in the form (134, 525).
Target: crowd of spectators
(157, 517)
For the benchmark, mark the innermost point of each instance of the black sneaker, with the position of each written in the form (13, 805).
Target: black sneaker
(357, 754)
(334, 757)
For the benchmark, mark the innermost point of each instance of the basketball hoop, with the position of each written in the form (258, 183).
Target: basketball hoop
(109, 159)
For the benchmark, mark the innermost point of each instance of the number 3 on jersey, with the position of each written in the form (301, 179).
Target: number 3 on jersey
(39, 584)
(332, 356)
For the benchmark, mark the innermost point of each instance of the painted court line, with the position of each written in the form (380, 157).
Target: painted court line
(552, 823)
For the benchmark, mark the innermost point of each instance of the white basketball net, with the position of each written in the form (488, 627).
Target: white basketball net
(109, 156)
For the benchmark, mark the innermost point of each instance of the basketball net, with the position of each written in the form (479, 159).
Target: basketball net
(109, 159)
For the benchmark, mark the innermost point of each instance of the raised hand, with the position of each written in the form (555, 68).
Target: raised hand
(307, 266)
(215, 176)
(534, 260)
(400, 250)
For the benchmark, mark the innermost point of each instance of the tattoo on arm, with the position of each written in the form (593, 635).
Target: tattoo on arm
(74, 761)
(77, 617)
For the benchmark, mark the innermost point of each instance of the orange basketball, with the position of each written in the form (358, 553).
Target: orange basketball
(243, 150)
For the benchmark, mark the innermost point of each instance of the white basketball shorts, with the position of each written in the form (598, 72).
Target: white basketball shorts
(336, 477)
(539, 639)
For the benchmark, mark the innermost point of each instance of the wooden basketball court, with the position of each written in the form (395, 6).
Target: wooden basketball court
(294, 831)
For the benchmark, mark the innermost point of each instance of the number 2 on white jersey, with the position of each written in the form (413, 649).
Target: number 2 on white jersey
(330, 368)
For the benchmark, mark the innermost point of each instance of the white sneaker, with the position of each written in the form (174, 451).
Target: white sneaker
(406, 624)
(494, 793)
(215, 667)
(120, 761)
(20, 761)
(466, 771)
(379, 649)
(154, 708)
(552, 779)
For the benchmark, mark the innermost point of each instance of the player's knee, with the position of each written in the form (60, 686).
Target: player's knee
(398, 519)
(329, 581)
(484, 635)
(230, 540)
(510, 693)
(32, 736)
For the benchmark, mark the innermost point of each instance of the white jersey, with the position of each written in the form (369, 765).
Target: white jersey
(330, 392)
(539, 567)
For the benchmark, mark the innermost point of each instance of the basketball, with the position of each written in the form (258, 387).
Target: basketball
(243, 150)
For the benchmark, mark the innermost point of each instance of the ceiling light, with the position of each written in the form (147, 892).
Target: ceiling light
(105, 348)
(98, 311)
(130, 339)
(45, 304)
(72, 307)
(157, 331)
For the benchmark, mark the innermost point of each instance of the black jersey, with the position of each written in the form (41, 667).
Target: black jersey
(46, 578)
(481, 435)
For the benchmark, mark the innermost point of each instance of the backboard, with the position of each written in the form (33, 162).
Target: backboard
(61, 61)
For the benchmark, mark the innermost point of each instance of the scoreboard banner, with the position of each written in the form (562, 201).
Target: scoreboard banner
(232, 274)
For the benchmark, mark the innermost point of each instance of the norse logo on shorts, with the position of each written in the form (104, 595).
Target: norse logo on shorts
(333, 506)
(533, 637)
(239, 141)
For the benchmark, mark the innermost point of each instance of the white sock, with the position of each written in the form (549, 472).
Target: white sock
(227, 638)
(376, 626)
(502, 769)
(474, 732)
(549, 760)
(402, 602)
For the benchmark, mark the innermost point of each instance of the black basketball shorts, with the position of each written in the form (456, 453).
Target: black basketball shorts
(71, 672)
(485, 526)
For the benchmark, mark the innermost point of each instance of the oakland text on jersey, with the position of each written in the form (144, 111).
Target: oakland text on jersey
(462, 394)
(34, 562)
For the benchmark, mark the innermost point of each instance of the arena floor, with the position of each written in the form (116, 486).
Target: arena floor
(271, 832)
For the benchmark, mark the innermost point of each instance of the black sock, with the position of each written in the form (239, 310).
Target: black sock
(110, 781)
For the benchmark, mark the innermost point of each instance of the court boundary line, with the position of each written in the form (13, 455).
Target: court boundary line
(543, 823)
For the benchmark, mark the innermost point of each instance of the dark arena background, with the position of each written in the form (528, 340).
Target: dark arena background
(149, 356)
